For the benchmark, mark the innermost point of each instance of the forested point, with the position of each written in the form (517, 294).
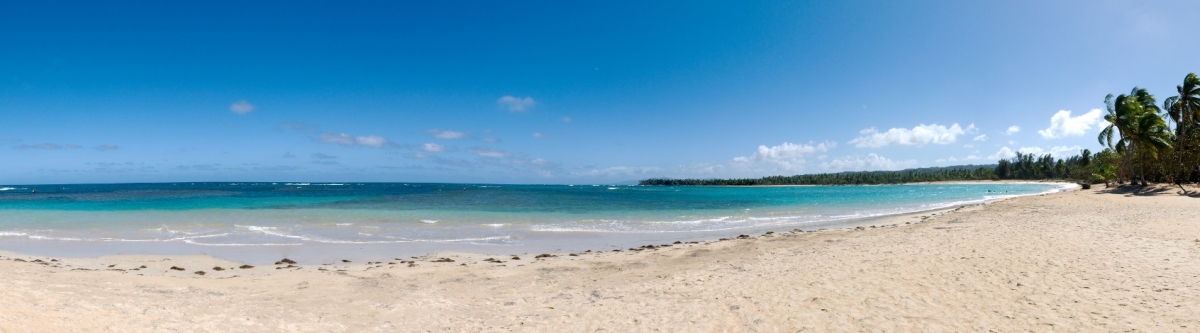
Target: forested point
(1143, 143)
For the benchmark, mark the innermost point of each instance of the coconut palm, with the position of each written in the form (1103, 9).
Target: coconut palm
(1149, 137)
(1184, 110)
(1126, 115)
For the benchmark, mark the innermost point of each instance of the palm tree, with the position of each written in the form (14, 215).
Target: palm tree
(1149, 136)
(1184, 109)
(1126, 119)
(1118, 119)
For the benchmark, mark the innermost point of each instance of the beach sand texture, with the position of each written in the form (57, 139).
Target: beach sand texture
(1065, 262)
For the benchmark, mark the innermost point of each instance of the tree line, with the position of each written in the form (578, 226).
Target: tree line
(1143, 143)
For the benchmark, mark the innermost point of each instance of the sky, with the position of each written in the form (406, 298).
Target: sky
(563, 92)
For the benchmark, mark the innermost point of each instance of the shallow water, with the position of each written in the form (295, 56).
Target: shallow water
(245, 219)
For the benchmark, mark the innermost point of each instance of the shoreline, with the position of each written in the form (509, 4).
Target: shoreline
(847, 225)
(1082, 260)
(565, 242)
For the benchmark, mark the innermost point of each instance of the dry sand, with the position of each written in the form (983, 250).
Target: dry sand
(1067, 262)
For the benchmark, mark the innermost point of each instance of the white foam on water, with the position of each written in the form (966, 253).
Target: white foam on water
(429, 221)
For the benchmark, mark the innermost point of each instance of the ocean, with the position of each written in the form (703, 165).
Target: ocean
(257, 222)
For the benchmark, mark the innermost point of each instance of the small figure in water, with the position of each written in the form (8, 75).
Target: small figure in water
(34, 190)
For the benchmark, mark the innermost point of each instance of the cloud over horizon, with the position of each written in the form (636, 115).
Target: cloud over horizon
(870, 162)
(917, 136)
(1063, 125)
(1056, 152)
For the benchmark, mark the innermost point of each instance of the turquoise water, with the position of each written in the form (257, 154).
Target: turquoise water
(299, 214)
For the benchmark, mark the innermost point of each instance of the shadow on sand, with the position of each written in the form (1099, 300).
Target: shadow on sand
(1150, 190)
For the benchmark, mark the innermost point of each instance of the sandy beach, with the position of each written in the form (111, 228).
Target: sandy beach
(1087, 260)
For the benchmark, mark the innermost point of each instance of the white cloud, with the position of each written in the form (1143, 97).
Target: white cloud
(321, 156)
(920, 135)
(516, 104)
(337, 138)
(371, 141)
(981, 137)
(1004, 153)
(1056, 151)
(488, 152)
(566, 119)
(1012, 130)
(870, 162)
(787, 156)
(107, 147)
(241, 107)
(440, 134)
(433, 147)
(617, 171)
(1062, 124)
(538, 135)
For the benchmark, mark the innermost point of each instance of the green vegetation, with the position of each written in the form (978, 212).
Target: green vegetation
(967, 172)
(1143, 143)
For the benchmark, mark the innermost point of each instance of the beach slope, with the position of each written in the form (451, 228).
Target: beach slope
(1087, 260)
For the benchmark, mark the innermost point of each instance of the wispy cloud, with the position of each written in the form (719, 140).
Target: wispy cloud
(488, 152)
(337, 138)
(298, 127)
(447, 134)
(538, 135)
(617, 171)
(917, 136)
(47, 146)
(566, 119)
(1012, 130)
(241, 107)
(321, 156)
(371, 141)
(107, 147)
(516, 104)
(1062, 124)
(433, 147)
(1056, 151)
(288, 155)
(870, 162)
(981, 137)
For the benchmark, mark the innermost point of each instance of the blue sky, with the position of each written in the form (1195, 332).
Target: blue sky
(563, 91)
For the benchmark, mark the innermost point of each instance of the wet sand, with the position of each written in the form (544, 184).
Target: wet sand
(1088, 260)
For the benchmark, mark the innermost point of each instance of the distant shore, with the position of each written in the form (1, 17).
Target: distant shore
(77, 245)
(1087, 260)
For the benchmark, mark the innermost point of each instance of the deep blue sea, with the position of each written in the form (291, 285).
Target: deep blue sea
(432, 217)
